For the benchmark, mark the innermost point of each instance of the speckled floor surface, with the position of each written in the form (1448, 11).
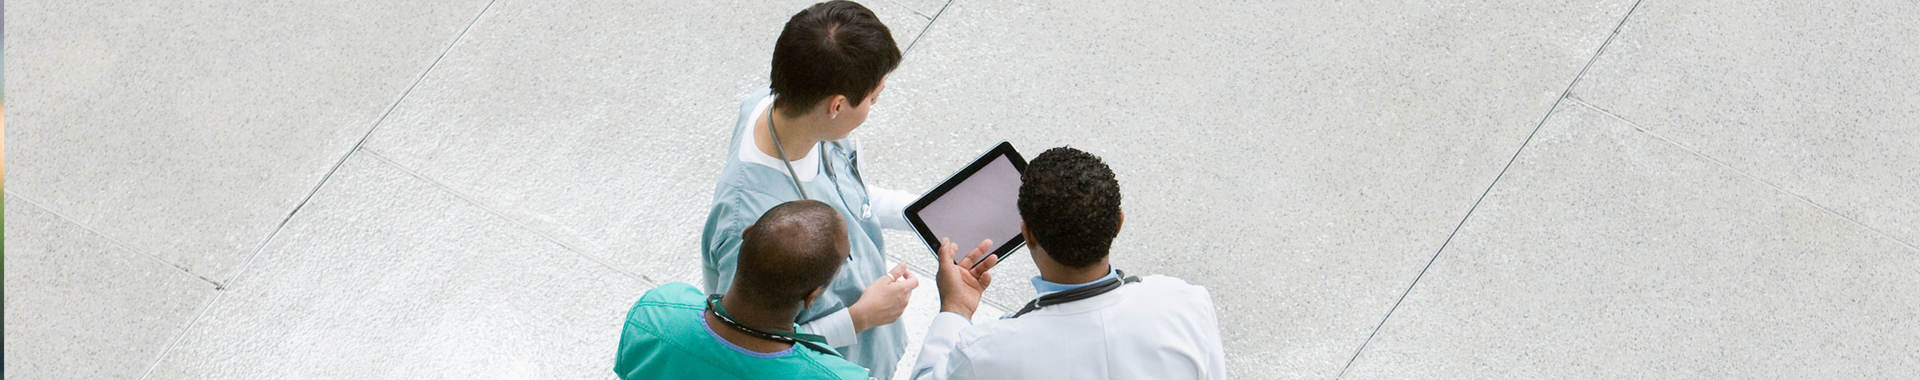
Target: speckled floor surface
(239, 189)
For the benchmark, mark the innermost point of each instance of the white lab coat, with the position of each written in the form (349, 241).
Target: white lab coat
(1159, 328)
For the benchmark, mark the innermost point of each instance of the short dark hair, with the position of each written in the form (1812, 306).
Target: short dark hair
(1071, 204)
(791, 250)
(831, 48)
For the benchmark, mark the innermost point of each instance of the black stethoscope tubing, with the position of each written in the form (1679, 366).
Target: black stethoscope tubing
(1103, 287)
(814, 342)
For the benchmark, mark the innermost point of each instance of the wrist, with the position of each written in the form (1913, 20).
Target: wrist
(962, 310)
(858, 313)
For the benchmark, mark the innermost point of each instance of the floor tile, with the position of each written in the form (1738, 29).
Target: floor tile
(1607, 253)
(559, 117)
(190, 129)
(1302, 161)
(81, 306)
(1816, 98)
(385, 275)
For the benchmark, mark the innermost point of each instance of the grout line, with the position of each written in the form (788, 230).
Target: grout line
(12, 196)
(550, 238)
(910, 8)
(197, 317)
(357, 144)
(1564, 94)
(221, 290)
(923, 30)
(1742, 173)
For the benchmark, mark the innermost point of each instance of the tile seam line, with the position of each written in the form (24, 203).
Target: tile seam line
(1564, 94)
(221, 288)
(182, 336)
(910, 8)
(549, 238)
(13, 196)
(357, 145)
(1743, 174)
(923, 30)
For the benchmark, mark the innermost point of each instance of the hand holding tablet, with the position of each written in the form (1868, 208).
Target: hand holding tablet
(978, 203)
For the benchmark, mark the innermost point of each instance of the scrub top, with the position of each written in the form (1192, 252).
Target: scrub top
(746, 190)
(667, 337)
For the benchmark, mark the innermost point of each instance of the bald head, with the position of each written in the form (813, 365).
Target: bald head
(794, 248)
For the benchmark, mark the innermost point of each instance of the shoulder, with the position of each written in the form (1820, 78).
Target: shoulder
(1169, 302)
(746, 183)
(666, 299)
(749, 105)
(1173, 286)
(737, 202)
(840, 368)
(752, 100)
(1171, 296)
(658, 324)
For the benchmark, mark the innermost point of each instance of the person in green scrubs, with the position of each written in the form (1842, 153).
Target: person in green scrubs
(791, 142)
(787, 257)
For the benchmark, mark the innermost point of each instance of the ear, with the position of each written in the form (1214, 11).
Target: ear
(808, 303)
(1122, 222)
(1032, 245)
(835, 104)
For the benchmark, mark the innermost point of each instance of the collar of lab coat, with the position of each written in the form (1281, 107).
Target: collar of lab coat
(1044, 287)
(1094, 303)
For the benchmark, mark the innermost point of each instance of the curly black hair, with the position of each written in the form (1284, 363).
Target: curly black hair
(1071, 204)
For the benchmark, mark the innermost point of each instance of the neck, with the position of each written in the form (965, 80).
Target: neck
(1060, 274)
(754, 318)
(759, 318)
(794, 138)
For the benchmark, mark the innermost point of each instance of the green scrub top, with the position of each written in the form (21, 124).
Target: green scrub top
(667, 337)
(746, 190)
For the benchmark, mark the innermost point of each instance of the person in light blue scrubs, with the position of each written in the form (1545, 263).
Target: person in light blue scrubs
(790, 143)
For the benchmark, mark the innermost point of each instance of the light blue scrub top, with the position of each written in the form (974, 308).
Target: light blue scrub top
(747, 190)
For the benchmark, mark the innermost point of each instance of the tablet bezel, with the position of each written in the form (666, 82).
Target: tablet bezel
(1004, 247)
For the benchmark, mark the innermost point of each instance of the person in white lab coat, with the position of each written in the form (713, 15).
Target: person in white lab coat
(1091, 321)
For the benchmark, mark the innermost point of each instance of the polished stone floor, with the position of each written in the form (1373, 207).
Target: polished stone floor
(238, 189)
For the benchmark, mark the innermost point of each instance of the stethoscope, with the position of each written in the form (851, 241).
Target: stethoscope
(815, 342)
(866, 211)
(1081, 293)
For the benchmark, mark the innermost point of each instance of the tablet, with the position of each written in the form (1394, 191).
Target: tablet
(977, 203)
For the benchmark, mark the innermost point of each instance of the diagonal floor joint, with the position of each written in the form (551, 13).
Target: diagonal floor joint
(222, 286)
(1742, 173)
(1564, 94)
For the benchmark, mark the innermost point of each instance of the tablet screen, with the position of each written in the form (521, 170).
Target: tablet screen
(978, 203)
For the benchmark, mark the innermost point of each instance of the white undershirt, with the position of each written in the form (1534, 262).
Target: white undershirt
(804, 168)
(888, 204)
